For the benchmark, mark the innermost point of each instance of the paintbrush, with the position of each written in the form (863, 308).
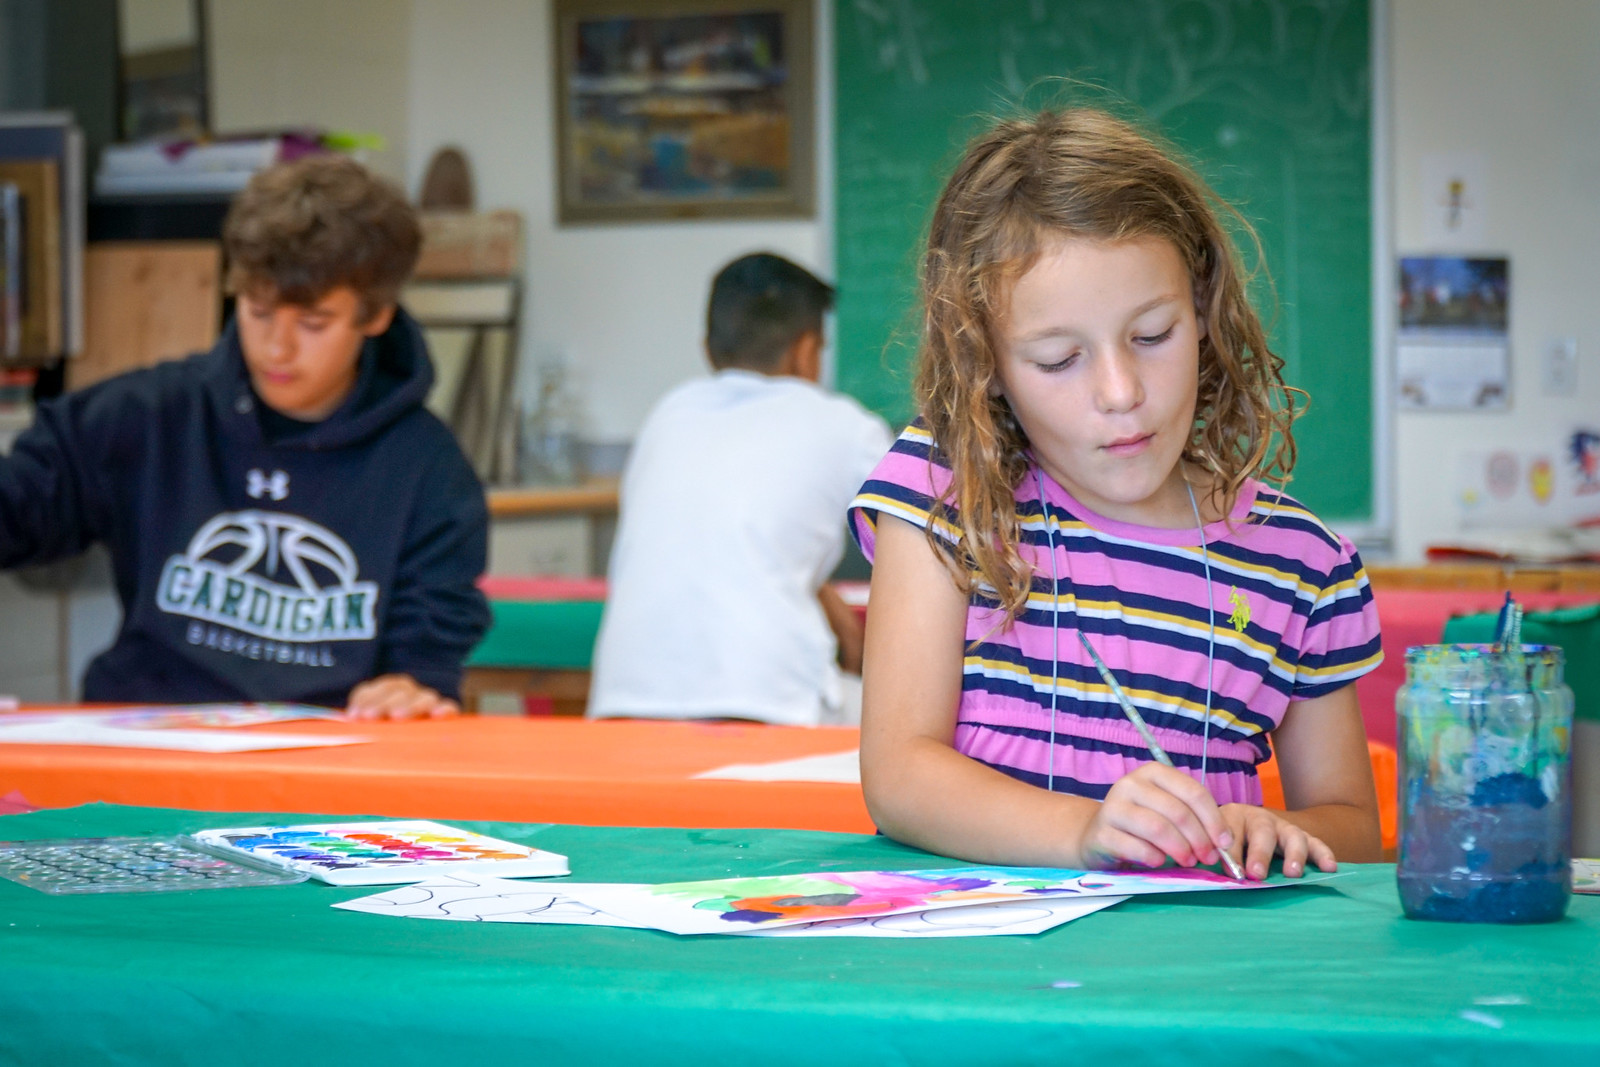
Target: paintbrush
(1156, 751)
(1509, 620)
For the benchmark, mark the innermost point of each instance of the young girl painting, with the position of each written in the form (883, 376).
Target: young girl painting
(1099, 418)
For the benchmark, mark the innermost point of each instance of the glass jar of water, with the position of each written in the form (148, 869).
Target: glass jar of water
(1485, 738)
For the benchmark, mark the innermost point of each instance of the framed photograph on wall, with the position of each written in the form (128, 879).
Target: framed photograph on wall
(1454, 342)
(679, 109)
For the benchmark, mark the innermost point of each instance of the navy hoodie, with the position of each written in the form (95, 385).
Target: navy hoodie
(257, 557)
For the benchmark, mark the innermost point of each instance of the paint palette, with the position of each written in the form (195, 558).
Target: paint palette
(130, 865)
(384, 853)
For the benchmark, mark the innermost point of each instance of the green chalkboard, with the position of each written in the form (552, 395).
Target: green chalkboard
(1270, 99)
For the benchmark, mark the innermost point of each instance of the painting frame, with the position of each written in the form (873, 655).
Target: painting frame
(665, 141)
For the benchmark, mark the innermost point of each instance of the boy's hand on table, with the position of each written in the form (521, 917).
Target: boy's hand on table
(398, 696)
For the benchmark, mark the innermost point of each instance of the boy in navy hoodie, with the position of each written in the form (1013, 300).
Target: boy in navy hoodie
(285, 519)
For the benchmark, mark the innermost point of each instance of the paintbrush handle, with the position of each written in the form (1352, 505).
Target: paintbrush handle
(1156, 751)
(1159, 754)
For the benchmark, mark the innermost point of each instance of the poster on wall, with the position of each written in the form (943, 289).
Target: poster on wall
(1550, 483)
(1454, 350)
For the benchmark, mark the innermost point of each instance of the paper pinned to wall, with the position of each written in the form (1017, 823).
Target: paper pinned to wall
(1455, 200)
(1453, 347)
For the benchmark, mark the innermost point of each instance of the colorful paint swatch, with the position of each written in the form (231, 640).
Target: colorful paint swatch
(384, 853)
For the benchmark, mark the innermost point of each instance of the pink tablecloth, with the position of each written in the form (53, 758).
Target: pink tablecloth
(541, 587)
(1417, 617)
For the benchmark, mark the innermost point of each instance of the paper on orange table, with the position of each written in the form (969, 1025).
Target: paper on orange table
(65, 730)
(842, 767)
(171, 716)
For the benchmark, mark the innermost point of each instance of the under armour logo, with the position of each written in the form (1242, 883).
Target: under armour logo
(258, 485)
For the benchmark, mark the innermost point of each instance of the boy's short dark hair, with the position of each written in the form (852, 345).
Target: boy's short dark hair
(301, 229)
(760, 304)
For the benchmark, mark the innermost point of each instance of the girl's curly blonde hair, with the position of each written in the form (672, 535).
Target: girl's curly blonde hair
(1077, 173)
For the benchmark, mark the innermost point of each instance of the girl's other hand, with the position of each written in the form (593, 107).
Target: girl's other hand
(1154, 813)
(1262, 834)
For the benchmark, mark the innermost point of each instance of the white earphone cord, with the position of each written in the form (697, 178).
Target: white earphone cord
(1211, 631)
(1055, 627)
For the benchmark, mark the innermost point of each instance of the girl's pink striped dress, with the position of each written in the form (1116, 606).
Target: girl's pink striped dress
(1294, 620)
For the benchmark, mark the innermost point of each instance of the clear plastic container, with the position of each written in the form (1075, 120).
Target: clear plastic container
(1486, 794)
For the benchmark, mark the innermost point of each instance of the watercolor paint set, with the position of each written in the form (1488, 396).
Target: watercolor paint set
(131, 865)
(383, 853)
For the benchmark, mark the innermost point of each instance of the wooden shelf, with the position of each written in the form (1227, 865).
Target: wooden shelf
(597, 497)
(1518, 578)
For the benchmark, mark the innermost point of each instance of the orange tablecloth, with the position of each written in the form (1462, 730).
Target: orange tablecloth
(610, 773)
(505, 769)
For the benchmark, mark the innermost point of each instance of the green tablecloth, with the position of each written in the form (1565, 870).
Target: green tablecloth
(547, 634)
(1328, 974)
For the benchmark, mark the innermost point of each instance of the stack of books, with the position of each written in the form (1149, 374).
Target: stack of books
(41, 237)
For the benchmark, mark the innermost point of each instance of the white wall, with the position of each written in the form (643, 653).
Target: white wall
(1519, 84)
(622, 305)
(341, 66)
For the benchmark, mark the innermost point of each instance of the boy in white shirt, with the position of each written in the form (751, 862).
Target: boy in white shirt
(732, 519)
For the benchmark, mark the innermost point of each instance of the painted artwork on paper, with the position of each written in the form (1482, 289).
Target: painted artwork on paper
(483, 898)
(823, 896)
(1033, 916)
(726, 905)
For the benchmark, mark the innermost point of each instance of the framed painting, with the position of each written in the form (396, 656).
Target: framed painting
(678, 109)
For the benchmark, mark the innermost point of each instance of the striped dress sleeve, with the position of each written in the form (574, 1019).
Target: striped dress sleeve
(906, 484)
(1341, 640)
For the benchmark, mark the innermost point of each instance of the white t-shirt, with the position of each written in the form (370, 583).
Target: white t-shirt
(732, 516)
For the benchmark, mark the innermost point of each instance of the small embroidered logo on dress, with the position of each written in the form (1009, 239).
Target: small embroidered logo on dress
(1241, 609)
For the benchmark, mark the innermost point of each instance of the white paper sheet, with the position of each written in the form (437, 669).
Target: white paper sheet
(1470, 376)
(68, 730)
(482, 898)
(843, 767)
(179, 716)
(739, 905)
(487, 899)
(1586, 876)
